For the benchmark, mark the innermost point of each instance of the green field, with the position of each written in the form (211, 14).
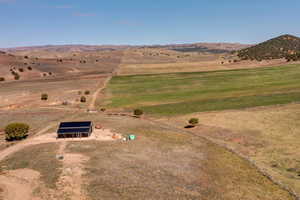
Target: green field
(183, 93)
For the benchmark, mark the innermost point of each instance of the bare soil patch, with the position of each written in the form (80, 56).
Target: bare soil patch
(19, 184)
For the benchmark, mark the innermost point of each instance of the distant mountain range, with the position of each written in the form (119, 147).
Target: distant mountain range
(280, 47)
(196, 47)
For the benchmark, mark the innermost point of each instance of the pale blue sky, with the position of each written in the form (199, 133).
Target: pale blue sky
(41, 22)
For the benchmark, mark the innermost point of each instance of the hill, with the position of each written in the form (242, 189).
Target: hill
(285, 46)
(55, 51)
(208, 47)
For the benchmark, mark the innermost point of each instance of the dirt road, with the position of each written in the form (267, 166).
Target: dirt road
(102, 85)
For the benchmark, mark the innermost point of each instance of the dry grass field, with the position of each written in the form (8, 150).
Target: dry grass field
(267, 135)
(163, 163)
(157, 61)
(27, 94)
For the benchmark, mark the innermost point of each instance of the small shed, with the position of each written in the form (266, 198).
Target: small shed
(75, 129)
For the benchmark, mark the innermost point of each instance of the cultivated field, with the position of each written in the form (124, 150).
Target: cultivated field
(183, 93)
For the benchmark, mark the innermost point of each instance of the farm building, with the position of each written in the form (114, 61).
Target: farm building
(75, 129)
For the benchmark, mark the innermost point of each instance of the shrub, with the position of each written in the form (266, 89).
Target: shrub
(29, 68)
(138, 112)
(17, 76)
(193, 121)
(83, 99)
(2, 79)
(21, 70)
(87, 92)
(79, 92)
(44, 97)
(26, 57)
(16, 131)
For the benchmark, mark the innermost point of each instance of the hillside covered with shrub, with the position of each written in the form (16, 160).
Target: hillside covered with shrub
(285, 46)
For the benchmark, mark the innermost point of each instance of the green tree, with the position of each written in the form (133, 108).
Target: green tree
(138, 112)
(194, 121)
(16, 131)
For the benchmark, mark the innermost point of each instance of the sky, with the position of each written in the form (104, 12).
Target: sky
(143, 22)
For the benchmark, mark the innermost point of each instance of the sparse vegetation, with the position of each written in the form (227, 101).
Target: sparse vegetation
(16, 76)
(40, 158)
(16, 131)
(138, 112)
(83, 99)
(44, 97)
(281, 47)
(193, 121)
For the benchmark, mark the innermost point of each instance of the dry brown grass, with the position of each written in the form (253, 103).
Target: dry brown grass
(164, 163)
(41, 158)
(196, 66)
(269, 136)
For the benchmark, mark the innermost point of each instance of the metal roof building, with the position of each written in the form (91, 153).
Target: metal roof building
(75, 129)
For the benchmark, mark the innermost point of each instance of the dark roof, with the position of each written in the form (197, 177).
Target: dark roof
(73, 130)
(75, 124)
(74, 127)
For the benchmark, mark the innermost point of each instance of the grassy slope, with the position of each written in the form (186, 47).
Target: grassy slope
(183, 93)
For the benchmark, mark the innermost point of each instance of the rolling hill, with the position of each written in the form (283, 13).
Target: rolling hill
(284, 46)
(55, 51)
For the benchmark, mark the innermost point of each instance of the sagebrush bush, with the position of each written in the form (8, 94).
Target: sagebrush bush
(2, 79)
(16, 131)
(87, 92)
(138, 112)
(193, 121)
